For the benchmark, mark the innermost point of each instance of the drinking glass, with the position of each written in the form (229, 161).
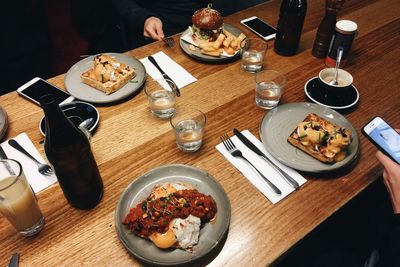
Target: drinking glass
(269, 88)
(188, 125)
(17, 200)
(253, 52)
(161, 96)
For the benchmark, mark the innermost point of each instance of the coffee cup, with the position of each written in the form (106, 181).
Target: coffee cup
(344, 79)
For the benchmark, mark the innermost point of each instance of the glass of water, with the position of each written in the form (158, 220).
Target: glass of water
(161, 96)
(188, 125)
(269, 88)
(253, 52)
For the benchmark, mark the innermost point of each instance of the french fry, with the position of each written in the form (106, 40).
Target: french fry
(229, 50)
(236, 43)
(207, 44)
(228, 40)
(213, 54)
(228, 33)
(210, 49)
(219, 41)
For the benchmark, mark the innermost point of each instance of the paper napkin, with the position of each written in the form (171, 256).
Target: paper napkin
(262, 166)
(37, 180)
(178, 74)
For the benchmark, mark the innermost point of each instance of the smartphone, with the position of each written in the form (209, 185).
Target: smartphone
(384, 137)
(37, 87)
(259, 27)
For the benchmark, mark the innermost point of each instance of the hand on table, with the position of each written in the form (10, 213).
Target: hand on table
(153, 28)
(391, 178)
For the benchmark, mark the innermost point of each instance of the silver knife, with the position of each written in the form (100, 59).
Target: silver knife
(165, 76)
(14, 261)
(255, 149)
(4, 156)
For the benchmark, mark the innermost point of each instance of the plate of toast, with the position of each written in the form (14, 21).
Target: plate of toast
(105, 78)
(309, 137)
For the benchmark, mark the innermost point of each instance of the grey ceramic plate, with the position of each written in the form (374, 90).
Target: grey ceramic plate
(210, 235)
(199, 56)
(280, 122)
(86, 93)
(3, 122)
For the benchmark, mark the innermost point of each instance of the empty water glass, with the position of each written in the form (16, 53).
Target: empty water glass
(269, 88)
(253, 52)
(188, 125)
(161, 96)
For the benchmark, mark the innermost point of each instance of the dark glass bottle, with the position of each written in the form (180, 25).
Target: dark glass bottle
(68, 150)
(326, 28)
(290, 25)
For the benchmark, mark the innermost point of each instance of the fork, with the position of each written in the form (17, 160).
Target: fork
(42, 168)
(231, 147)
(169, 41)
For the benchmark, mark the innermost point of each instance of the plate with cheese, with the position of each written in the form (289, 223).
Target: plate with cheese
(105, 78)
(309, 137)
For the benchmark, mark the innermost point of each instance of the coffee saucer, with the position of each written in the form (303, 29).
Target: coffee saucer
(343, 100)
(77, 112)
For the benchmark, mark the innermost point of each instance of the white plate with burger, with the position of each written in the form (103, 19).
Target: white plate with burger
(164, 217)
(209, 39)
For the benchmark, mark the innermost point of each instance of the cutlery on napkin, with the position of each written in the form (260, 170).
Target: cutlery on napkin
(37, 180)
(263, 166)
(176, 72)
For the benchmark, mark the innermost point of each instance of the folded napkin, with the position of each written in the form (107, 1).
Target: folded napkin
(179, 75)
(262, 166)
(37, 180)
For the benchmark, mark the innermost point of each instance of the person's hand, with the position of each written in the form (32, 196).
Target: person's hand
(391, 178)
(153, 28)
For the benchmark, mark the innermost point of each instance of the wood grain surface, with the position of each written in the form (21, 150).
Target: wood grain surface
(129, 141)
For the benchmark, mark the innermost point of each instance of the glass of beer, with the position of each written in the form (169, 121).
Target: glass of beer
(17, 200)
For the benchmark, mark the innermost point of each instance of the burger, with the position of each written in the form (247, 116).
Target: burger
(207, 24)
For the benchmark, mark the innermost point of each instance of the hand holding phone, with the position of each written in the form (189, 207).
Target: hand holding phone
(384, 137)
(259, 27)
(37, 87)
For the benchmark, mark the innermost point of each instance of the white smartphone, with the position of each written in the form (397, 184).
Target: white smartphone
(37, 87)
(381, 134)
(259, 27)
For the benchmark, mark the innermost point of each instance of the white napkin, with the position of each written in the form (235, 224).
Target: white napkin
(179, 75)
(262, 166)
(37, 180)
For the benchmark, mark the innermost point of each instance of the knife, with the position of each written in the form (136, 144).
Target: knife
(255, 149)
(165, 76)
(14, 262)
(4, 156)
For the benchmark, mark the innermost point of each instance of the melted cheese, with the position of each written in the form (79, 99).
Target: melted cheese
(313, 133)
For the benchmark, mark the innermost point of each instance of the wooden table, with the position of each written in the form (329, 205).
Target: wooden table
(130, 141)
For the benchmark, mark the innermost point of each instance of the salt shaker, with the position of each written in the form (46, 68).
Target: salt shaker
(344, 35)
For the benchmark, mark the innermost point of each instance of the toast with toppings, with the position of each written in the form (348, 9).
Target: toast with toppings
(321, 139)
(107, 74)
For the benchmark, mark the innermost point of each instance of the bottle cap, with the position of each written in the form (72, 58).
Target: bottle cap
(346, 26)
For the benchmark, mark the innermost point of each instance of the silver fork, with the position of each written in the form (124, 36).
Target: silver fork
(230, 146)
(169, 41)
(42, 168)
